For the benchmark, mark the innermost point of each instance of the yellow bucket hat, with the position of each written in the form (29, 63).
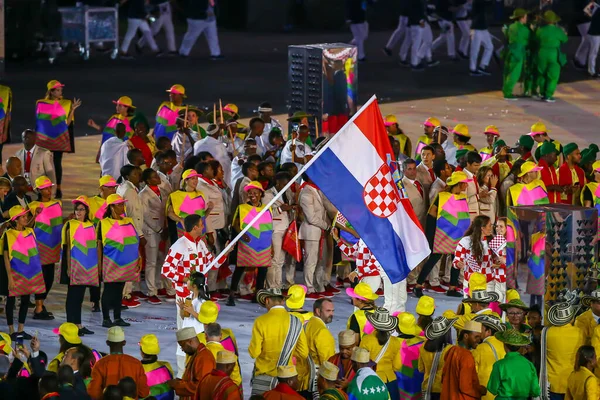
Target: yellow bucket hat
(43, 182)
(432, 121)
(407, 324)
(69, 331)
(390, 120)
(528, 166)
(16, 211)
(492, 130)
(5, 343)
(538, 129)
(458, 177)
(425, 305)
(461, 130)
(115, 199)
(362, 291)
(54, 84)
(149, 345)
(177, 89)
(124, 101)
(297, 294)
(108, 181)
(209, 312)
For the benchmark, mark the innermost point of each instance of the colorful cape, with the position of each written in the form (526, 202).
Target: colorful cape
(409, 378)
(536, 261)
(453, 220)
(188, 203)
(532, 194)
(120, 245)
(97, 208)
(157, 382)
(110, 129)
(83, 251)
(5, 112)
(48, 227)
(485, 153)
(422, 142)
(166, 120)
(256, 252)
(25, 264)
(511, 241)
(51, 124)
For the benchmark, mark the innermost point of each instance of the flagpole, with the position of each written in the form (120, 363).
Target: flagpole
(289, 184)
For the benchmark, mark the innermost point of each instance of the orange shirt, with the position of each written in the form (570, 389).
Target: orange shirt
(459, 376)
(198, 366)
(218, 386)
(111, 369)
(282, 392)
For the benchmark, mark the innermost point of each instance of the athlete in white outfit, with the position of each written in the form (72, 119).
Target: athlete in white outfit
(480, 36)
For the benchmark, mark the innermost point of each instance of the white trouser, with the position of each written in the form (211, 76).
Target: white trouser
(195, 28)
(584, 46)
(314, 267)
(133, 24)
(480, 38)
(274, 275)
(164, 20)
(395, 296)
(594, 46)
(465, 35)
(405, 45)
(154, 278)
(399, 33)
(426, 42)
(416, 38)
(180, 358)
(446, 35)
(374, 282)
(360, 32)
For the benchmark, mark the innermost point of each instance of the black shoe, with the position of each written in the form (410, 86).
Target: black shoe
(126, 57)
(219, 57)
(230, 301)
(475, 73)
(43, 315)
(123, 308)
(484, 71)
(362, 59)
(58, 194)
(453, 293)
(96, 307)
(138, 48)
(432, 63)
(14, 336)
(455, 59)
(85, 331)
(417, 68)
(120, 322)
(387, 51)
(577, 65)
(404, 63)
(49, 313)
(463, 56)
(418, 292)
(107, 323)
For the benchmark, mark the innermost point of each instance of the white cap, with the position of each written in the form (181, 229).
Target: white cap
(116, 335)
(185, 334)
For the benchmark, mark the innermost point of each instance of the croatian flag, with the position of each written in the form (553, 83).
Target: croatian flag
(353, 173)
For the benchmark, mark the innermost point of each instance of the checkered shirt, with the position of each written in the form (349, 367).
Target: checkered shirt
(463, 253)
(183, 258)
(366, 263)
(498, 248)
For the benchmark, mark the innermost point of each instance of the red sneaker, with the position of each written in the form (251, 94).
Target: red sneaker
(247, 297)
(139, 295)
(347, 280)
(153, 300)
(379, 292)
(331, 289)
(436, 289)
(162, 292)
(339, 283)
(327, 294)
(218, 295)
(409, 288)
(130, 303)
(170, 298)
(313, 296)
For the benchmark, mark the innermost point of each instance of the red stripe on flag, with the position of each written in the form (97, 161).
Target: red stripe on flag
(370, 123)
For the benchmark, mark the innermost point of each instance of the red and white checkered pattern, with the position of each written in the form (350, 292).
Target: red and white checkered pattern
(381, 194)
(183, 257)
(366, 263)
(463, 254)
(498, 247)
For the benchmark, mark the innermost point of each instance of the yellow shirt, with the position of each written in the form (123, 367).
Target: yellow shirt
(216, 347)
(321, 346)
(582, 385)
(55, 363)
(464, 318)
(425, 363)
(302, 316)
(485, 358)
(390, 361)
(587, 322)
(562, 343)
(268, 336)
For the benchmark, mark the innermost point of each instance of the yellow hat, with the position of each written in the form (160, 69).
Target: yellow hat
(432, 121)
(458, 177)
(512, 294)
(362, 291)
(209, 312)
(329, 371)
(124, 101)
(286, 371)
(108, 181)
(477, 281)
(189, 173)
(149, 345)
(390, 120)
(361, 355)
(81, 199)
(596, 166)
(5, 343)
(226, 357)
(116, 334)
(528, 166)
(232, 109)
(407, 324)
(347, 338)
(43, 182)
(538, 129)
(253, 185)
(115, 199)
(177, 89)
(69, 331)
(425, 305)
(16, 211)
(472, 326)
(492, 130)
(297, 294)
(461, 130)
(54, 84)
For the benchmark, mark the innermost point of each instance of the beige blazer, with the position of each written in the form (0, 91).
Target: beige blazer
(133, 207)
(216, 218)
(315, 215)
(419, 203)
(42, 163)
(154, 213)
(472, 195)
(424, 177)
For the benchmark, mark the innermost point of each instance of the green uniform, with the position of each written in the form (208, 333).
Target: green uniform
(518, 39)
(549, 58)
(514, 377)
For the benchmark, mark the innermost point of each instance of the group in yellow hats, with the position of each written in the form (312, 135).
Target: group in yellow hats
(427, 138)
(363, 298)
(158, 373)
(393, 129)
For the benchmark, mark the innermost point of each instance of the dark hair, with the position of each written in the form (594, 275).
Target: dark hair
(112, 392)
(319, 140)
(215, 164)
(64, 345)
(87, 210)
(199, 280)
(306, 178)
(382, 337)
(287, 167)
(162, 143)
(263, 165)
(254, 158)
(424, 321)
(439, 166)
(319, 303)
(481, 174)
(430, 148)
(120, 127)
(191, 162)
(191, 221)
(514, 171)
(204, 155)
(126, 170)
(48, 383)
(274, 133)
(212, 330)
(128, 387)
(133, 154)
(249, 141)
(147, 174)
(407, 162)
(201, 167)
(65, 375)
(536, 309)
(85, 358)
(254, 121)
(282, 176)
(585, 354)
(513, 348)
(473, 157)
(474, 232)
(246, 166)
(170, 154)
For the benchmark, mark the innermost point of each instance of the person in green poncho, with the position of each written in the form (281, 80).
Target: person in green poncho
(549, 59)
(518, 38)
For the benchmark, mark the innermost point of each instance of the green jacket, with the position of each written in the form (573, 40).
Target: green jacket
(518, 36)
(550, 37)
(514, 377)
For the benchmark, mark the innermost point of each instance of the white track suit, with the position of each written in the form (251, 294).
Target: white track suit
(480, 38)
(360, 32)
(133, 24)
(426, 43)
(165, 20)
(195, 28)
(400, 32)
(581, 56)
(447, 36)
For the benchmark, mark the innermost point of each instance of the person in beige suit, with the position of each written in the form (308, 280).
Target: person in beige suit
(425, 173)
(35, 161)
(473, 165)
(154, 200)
(312, 230)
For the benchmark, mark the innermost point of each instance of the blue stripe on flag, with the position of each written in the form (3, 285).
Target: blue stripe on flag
(344, 191)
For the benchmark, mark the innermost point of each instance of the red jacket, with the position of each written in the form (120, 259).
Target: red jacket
(549, 177)
(565, 178)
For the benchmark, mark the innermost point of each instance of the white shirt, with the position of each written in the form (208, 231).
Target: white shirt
(302, 149)
(260, 148)
(177, 144)
(264, 139)
(113, 156)
(192, 322)
(218, 151)
(450, 150)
